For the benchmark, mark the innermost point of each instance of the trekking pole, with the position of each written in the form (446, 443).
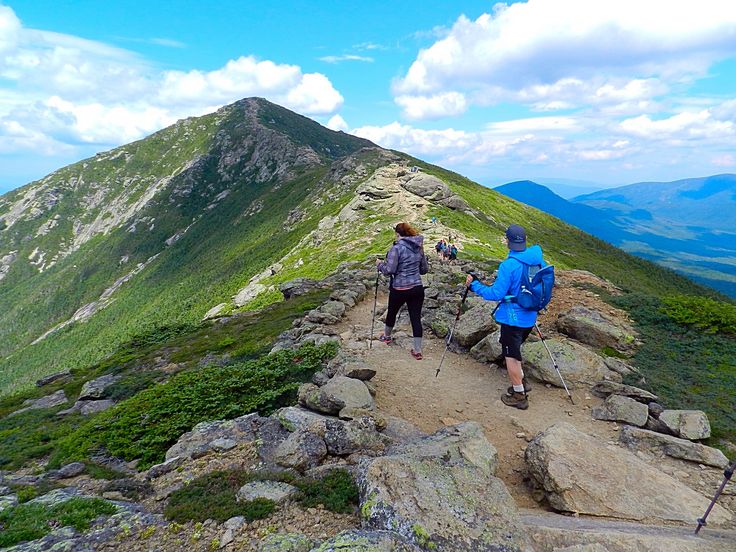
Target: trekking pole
(727, 477)
(373, 318)
(449, 336)
(554, 363)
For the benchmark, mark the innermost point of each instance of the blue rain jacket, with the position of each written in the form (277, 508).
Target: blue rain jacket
(508, 283)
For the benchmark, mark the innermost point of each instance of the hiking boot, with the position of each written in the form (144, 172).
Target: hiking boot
(388, 340)
(517, 400)
(416, 355)
(524, 382)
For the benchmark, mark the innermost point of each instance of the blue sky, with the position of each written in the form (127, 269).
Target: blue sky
(604, 92)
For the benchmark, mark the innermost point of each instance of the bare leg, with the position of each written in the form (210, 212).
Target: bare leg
(513, 367)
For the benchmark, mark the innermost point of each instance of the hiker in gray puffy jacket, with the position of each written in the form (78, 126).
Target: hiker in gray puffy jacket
(404, 264)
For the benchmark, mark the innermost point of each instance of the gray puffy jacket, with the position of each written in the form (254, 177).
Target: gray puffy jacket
(405, 262)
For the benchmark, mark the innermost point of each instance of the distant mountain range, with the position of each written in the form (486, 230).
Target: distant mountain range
(687, 225)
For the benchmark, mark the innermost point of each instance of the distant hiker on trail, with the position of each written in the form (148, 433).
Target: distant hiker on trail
(452, 252)
(404, 264)
(440, 248)
(516, 322)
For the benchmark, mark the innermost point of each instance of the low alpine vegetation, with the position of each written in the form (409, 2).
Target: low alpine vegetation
(31, 521)
(213, 496)
(146, 425)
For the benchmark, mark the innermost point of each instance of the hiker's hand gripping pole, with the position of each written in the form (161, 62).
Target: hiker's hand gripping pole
(727, 477)
(457, 317)
(554, 363)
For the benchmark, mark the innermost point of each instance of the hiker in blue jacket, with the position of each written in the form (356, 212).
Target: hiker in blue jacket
(516, 322)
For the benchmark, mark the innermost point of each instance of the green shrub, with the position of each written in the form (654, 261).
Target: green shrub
(336, 491)
(687, 367)
(146, 425)
(703, 313)
(212, 496)
(27, 522)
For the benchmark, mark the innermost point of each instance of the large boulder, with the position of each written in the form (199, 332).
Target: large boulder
(622, 409)
(582, 475)
(642, 439)
(49, 401)
(475, 324)
(596, 329)
(445, 501)
(688, 424)
(579, 366)
(606, 388)
(338, 393)
(294, 418)
(488, 349)
(427, 186)
(95, 389)
(301, 450)
(270, 490)
(358, 435)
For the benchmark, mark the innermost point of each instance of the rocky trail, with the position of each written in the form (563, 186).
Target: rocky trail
(464, 390)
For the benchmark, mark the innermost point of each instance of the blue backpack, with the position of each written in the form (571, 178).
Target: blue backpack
(536, 287)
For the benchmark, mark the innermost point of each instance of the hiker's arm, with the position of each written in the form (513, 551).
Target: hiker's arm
(498, 290)
(423, 264)
(391, 263)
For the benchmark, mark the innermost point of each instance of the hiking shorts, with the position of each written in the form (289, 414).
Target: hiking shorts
(511, 339)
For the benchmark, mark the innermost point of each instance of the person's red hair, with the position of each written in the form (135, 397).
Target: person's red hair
(405, 229)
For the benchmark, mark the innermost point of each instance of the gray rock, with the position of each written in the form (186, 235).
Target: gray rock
(8, 501)
(295, 418)
(170, 465)
(619, 366)
(95, 389)
(580, 366)
(655, 409)
(641, 439)
(49, 401)
(87, 407)
(64, 376)
(223, 444)
(358, 435)
(319, 378)
(622, 409)
(442, 502)
(555, 533)
(340, 392)
(606, 388)
(428, 186)
(299, 286)
(234, 523)
(344, 296)
(361, 540)
(596, 329)
(580, 474)
(475, 324)
(301, 450)
(271, 490)
(290, 542)
(688, 424)
(488, 349)
(653, 424)
(71, 470)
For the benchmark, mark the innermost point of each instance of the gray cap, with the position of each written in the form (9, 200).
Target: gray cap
(516, 235)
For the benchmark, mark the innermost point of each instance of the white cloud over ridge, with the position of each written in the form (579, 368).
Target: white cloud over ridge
(66, 91)
(573, 52)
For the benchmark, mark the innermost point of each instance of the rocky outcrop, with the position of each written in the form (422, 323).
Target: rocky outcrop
(579, 474)
(359, 540)
(580, 366)
(688, 424)
(642, 439)
(622, 409)
(95, 389)
(440, 494)
(49, 401)
(338, 393)
(607, 388)
(475, 324)
(597, 329)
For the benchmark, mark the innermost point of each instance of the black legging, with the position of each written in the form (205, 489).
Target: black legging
(414, 298)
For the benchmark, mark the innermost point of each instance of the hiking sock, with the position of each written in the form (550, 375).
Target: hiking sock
(387, 330)
(418, 344)
(519, 388)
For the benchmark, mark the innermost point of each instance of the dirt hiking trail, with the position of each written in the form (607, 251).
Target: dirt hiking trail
(465, 390)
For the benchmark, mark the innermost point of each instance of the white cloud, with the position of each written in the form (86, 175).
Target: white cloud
(574, 52)
(337, 123)
(432, 107)
(535, 124)
(346, 57)
(67, 91)
(682, 126)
